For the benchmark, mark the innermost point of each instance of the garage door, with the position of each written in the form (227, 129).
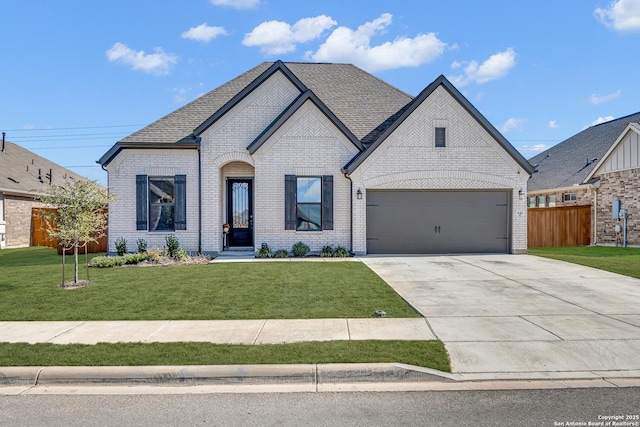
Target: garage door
(433, 222)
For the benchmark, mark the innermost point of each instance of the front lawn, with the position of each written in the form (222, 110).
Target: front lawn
(615, 259)
(259, 290)
(430, 354)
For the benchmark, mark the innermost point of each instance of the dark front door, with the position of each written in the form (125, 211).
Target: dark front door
(240, 212)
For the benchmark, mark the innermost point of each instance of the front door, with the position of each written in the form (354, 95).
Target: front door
(240, 211)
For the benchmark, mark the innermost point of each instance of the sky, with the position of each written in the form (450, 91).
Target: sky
(78, 75)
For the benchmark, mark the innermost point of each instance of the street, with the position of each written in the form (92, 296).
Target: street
(564, 407)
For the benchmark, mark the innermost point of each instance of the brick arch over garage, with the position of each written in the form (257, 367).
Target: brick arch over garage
(445, 180)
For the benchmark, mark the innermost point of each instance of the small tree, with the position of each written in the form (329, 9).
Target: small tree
(80, 216)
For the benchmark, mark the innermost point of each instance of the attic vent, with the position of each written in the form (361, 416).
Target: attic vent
(14, 180)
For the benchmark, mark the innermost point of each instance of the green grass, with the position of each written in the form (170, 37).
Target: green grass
(431, 354)
(266, 290)
(615, 259)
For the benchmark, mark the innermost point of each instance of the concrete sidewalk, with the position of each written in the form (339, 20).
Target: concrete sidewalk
(272, 331)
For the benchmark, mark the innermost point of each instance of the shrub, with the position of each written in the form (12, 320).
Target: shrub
(281, 253)
(121, 246)
(341, 252)
(172, 245)
(154, 254)
(327, 251)
(116, 261)
(181, 255)
(265, 251)
(142, 246)
(299, 249)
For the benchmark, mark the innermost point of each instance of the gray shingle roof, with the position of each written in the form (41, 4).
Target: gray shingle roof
(360, 100)
(570, 162)
(24, 172)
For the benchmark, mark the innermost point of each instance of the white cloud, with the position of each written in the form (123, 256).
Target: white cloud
(552, 124)
(277, 37)
(533, 149)
(512, 124)
(602, 120)
(596, 99)
(237, 4)
(496, 67)
(622, 15)
(203, 33)
(354, 46)
(158, 63)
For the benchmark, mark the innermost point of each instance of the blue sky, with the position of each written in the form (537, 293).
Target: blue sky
(79, 75)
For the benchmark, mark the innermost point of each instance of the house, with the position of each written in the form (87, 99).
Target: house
(594, 168)
(326, 154)
(24, 176)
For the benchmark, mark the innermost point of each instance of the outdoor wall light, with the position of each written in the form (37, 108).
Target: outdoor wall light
(521, 194)
(359, 194)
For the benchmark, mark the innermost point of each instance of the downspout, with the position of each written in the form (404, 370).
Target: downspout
(351, 211)
(109, 216)
(199, 201)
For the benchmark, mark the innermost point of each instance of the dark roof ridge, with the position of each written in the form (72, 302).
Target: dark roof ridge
(307, 95)
(413, 104)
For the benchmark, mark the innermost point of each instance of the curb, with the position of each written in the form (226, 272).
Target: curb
(312, 374)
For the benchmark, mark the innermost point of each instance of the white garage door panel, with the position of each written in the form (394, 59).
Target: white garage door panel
(437, 222)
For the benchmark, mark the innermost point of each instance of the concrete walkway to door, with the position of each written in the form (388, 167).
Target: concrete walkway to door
(501, 315)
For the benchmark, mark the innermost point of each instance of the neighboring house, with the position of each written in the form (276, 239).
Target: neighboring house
(23, 176)
(326, 154)
(594, 167)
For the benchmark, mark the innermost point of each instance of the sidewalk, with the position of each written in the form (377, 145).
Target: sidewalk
(272, 331)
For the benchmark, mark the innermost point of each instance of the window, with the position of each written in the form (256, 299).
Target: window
(308, 203)
(161, 203)
(569, 197)
(541, 201)
(552, 200)
(532, 201)
(441, 137)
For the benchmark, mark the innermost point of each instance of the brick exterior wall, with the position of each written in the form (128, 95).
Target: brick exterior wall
(584, 196)
(18, 220)
(623, 186)
(472, 159)
(309, 144)
(122, 182)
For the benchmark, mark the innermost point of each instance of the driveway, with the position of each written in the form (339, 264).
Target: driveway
(513, 314)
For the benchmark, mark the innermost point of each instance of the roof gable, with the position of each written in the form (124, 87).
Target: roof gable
(630, 160)
(277, 66)
(382, 132)
(291, 110)
(571, 161)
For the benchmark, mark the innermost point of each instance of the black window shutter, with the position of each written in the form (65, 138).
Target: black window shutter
(290, 196)
(141, 202)
(181, 202)
(327, 202)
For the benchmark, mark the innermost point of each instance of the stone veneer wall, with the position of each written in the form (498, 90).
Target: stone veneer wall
(623, 186)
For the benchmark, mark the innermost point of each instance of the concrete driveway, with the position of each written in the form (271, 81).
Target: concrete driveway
(502, 315)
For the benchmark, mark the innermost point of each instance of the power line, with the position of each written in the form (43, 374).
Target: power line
(70, 134)
(74, 128)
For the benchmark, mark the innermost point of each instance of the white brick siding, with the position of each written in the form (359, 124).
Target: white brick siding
(122, 182)
(310, 144)
(472, 159)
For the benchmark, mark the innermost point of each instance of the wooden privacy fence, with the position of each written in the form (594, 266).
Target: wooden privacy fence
(40, 237)
(561, 226)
